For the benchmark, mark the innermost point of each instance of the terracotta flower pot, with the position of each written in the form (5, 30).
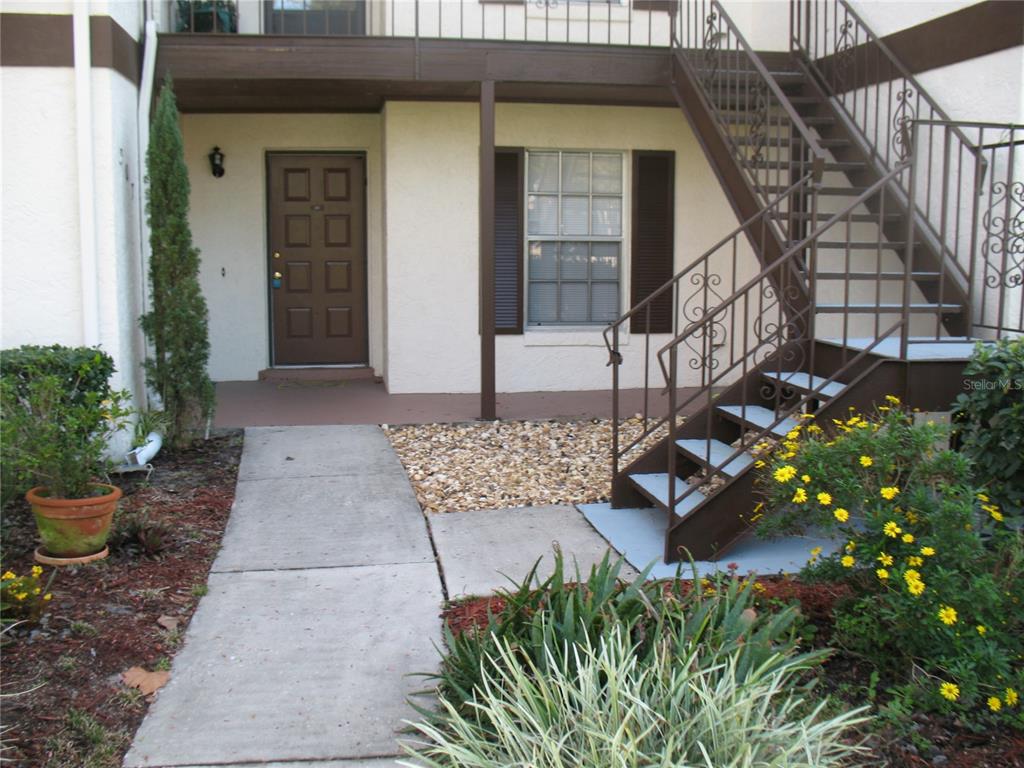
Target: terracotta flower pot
(74, 528)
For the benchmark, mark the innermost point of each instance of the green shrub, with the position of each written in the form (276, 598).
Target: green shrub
(935, 573)
(177, 324)
(990, 421)
(607, 702)
(548, 618)
(59, 413)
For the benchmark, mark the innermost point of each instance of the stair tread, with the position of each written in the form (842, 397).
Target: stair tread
(655, 486)
(840, 191)
(805, 381)
(876, 275)
(870, 218)
(713, 452)
(860, 245)
(760, 417)
(858, 308)
(824, 143)
(771, 165)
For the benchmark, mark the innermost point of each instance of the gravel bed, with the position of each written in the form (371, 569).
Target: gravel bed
(494, 465)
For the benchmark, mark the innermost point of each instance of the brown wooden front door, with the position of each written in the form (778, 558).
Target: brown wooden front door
(317, 260)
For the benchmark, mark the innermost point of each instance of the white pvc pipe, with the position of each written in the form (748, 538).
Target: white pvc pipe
(144, 453)
(142, 125)
(86, 174)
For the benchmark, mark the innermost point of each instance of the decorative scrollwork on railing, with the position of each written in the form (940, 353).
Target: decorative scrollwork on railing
(704, 297)
(699, 307)
(1003, 247)
(843, 57)
(902, 122)
(759, 121)
(710, 53)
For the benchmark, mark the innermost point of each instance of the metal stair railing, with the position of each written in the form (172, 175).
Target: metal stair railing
(975, 194)
(895, 120)
(778, 337)
(713, 276)
(767, 137)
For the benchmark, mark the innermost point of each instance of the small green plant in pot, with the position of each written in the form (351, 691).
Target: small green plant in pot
(59, 415)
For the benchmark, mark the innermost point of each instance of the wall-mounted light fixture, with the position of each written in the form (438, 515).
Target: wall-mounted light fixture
(217, 162)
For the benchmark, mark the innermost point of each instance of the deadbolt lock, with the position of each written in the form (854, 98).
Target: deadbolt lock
(277, 254)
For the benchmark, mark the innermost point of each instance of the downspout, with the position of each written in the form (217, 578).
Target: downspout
(142, 124)
(86, 174)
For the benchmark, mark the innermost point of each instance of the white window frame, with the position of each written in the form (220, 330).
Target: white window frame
(620, 239)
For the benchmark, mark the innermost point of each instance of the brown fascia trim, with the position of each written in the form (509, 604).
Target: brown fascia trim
(36, 40)
(46, 40)
(977, 30)
(113, 48)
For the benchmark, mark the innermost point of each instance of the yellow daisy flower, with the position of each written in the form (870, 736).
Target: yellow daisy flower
(800, 496)
(866, 461)
(841, 514)
(847, 561)
(981, 629)
(927, 551)
(882, 574)
(994, 703)
(824, 499)
(889, 492)
(950, 691)
(1011, 697)
(785, 474)
(884, 559)
(908, 538)
(947, 615)
(891, 529)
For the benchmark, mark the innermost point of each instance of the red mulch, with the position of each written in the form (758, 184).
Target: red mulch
(954, 745)
(102, 619)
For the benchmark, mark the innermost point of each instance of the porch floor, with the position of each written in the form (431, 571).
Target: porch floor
(272, 404)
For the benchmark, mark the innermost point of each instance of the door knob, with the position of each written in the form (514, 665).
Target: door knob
(277, 254)
(278, 275)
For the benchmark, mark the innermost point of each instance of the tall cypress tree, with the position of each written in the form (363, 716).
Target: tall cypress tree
(177, 323)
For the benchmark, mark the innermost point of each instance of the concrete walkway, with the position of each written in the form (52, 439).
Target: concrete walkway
(324, 597)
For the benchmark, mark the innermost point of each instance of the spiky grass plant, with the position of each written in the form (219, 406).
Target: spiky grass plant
(601, 704)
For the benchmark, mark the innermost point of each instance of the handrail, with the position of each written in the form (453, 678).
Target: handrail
(762, 122)
(786, 346)
(895, 62)
(705, 280)
(651, 297)
(789, 254)
(798, 123)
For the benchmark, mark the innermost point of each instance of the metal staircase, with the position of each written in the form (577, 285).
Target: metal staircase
(848, 279)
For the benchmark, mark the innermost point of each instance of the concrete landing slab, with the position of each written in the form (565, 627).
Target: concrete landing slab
(639, 534)
(296, 666)
(276, 452)
(476, 548)
(324, 522)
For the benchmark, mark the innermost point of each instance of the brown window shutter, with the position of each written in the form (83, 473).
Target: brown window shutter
(653, 237)
(508, 240)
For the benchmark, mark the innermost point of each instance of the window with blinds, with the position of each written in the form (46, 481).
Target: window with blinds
(574, 203)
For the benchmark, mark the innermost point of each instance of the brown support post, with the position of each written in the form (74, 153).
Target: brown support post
(487, 386)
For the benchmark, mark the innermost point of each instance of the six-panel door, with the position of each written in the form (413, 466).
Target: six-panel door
(317, 262)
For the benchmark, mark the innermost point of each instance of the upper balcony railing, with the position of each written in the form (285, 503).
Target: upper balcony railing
(646, 23)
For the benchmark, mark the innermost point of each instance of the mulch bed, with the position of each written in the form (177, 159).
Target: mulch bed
(952, 744)
(102, 619)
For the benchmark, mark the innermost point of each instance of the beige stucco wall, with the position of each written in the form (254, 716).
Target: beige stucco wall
(228, 217)
(431, 225)
(41, 286)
